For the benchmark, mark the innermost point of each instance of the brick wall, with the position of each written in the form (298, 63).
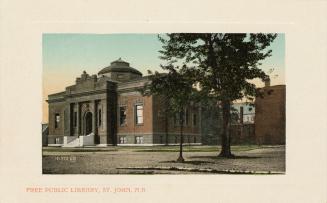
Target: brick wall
(131, 129)
(191, 132)
(270, 115)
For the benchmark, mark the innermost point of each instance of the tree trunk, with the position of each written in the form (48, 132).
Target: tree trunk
(181, 121)
(225, 136)
(166, 127)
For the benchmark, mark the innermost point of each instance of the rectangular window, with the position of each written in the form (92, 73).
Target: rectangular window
(123, 140)
(194, 120)
(75, 119)
(57, 120)
(57, 140)
(100, 118)
(122, 115)
(139, 139)
(139, 114)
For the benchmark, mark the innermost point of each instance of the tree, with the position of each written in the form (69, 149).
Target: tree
(226, 64)
(176, 89)
(164, 112)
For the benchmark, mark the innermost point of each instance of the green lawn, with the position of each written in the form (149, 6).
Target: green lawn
(195, 148)
(151, 148)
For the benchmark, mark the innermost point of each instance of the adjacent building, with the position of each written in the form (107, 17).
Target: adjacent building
(108, 109)
(242, 123)
(270, 117)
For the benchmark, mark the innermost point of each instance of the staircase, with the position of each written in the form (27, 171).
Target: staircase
(71, 141)
(74, 141)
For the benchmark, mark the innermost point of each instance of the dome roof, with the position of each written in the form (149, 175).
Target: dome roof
(119, 66)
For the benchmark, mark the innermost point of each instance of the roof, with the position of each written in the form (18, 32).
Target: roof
(119, 66)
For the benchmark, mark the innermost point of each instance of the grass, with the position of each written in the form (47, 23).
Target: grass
(77, 149)
(196, 148)
(151, 148)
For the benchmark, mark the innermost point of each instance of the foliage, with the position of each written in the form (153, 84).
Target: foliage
(175, 87)
(224, 64)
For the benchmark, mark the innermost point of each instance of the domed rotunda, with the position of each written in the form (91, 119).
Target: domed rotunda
(120, 70)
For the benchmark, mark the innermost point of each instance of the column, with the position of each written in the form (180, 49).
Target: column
(78, 123)
(104, 138)
(94, 119)
(66, 120)
(71, 119)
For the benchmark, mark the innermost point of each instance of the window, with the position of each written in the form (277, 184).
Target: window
(194, 120)
(122, 115)
(186, 117)
(123, 140)
(57, 140)
(139, 140)
(139, 114)
(100, 118)
(75, 119)
(57, 120)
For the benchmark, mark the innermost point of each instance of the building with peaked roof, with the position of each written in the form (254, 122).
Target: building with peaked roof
(108, 109)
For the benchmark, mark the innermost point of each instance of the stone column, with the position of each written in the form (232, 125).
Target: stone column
(94, 119)
(71, 119)
(104, 137)
(78, 123)
(66, 120)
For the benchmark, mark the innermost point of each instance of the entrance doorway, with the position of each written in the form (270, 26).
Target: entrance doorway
(88, 123)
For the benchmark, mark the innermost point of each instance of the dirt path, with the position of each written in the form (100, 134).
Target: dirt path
(112, 162)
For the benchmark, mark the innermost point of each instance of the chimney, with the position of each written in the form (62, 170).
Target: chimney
(267, 82)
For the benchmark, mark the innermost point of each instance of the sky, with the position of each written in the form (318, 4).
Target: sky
(66, 56)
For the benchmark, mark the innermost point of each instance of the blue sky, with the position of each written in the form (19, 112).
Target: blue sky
(91, 52)
(66, 56)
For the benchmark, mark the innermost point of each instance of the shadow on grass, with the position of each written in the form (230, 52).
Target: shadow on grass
(218, 157)
(189, 162)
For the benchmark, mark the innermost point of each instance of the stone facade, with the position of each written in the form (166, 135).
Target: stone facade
(111, 108)
(270, 115)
